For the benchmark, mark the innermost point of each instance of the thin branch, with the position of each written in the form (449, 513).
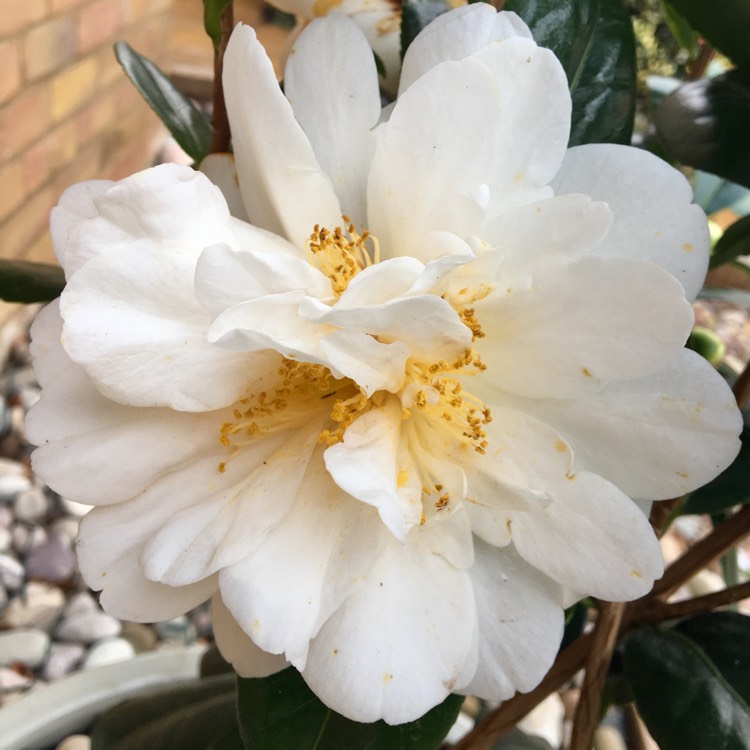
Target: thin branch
(506, 716)
(700, 64)
(722, 538)
(220, 135)
(597, 665)
(657, 611)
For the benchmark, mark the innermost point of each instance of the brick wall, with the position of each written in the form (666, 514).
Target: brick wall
(67, 112)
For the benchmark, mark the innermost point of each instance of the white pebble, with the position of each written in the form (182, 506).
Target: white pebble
(31, 504)
(38, 606)
(29, 647)
(6, 539)
(88, 627)
(108, 652)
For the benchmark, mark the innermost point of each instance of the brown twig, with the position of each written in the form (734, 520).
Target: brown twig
(700, 64)
(220, 135)
(658, 611)
(597, 666)
(504, 718)
(721, 539)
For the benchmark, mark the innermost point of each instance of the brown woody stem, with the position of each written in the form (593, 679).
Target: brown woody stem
(657, 611)
(597, 665)
(220, 134)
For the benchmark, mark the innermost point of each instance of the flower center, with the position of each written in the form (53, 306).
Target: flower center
(341, 253)
(438, 393)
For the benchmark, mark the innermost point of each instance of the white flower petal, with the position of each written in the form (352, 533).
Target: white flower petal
(455, 35)
(565, 227)
(520, 624)
(373, 366)
(533, 131)
(332, 84)
(283, 591)
(419, 610)
(590, 536)
(657, 437)
(82, 433)
(222, 171)
(76, 203)
(234, 519)
(271, 322)
(283, 186)
(166, 204)
(109, 543)
(374, 466)
(651, 202)
(380, 283)
(434, 157)
(543, 342)
(225, 277)
(133, 323)
(237, 647)
(425, 323)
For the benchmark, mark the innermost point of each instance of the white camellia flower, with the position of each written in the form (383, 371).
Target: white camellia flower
(399, 419)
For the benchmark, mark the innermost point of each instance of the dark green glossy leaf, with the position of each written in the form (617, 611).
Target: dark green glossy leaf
(683, 698)
(731, 487)
(21, 281)
(726, 24)
(189, 716)
(232, 740)
(517, 740)
(416, 14)
(212, 11)
(705, 124)
(180, 116)
(725, 638)
(593, 39)
(735, 241)
(267, 705)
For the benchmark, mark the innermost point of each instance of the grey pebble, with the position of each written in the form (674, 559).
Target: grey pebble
(31, 504)
(11, 573)
(13, 479)
(108, 652)
(87, 627)
(39, 605)
(53, 561)
(62, 659)
(29, 647)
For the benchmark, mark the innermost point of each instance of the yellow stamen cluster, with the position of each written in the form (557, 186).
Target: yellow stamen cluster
(341, 253)
(444, 398)
(301, 386)
(344, 412)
